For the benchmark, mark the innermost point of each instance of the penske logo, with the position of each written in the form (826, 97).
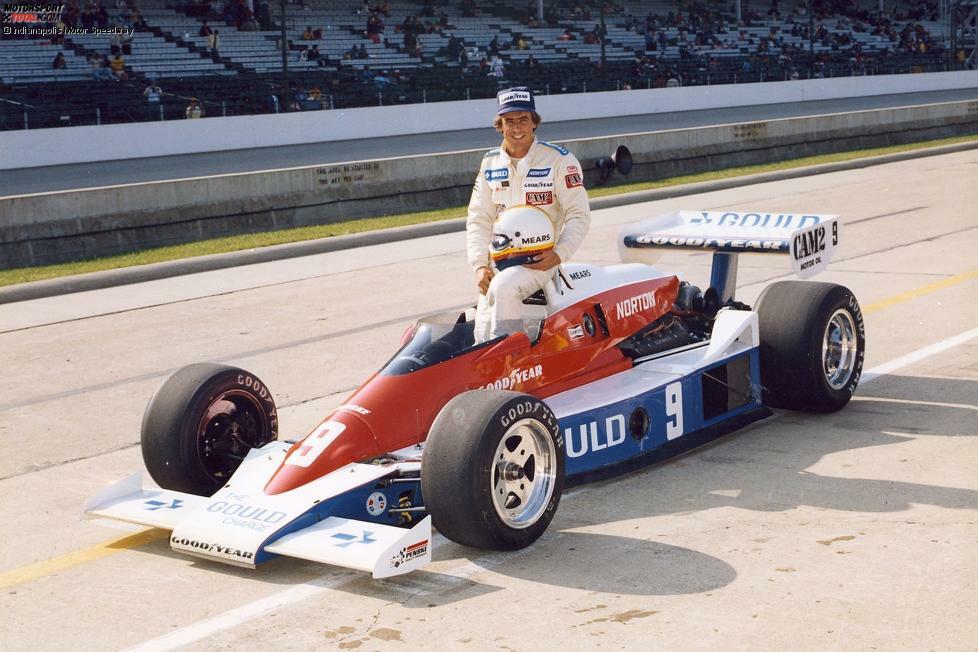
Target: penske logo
(634, 305)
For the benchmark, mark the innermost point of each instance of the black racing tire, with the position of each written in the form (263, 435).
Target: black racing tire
(493, 469)
(201, 423)
(813, 341)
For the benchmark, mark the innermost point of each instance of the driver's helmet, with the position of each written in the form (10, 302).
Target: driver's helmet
(520, 234)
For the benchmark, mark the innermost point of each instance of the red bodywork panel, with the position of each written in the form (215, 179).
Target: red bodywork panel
(390, 412)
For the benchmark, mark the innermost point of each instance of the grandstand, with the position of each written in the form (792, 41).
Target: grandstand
(430, 50)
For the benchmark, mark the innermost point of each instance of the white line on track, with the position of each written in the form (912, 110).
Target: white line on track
(335, 578)
(918, 355)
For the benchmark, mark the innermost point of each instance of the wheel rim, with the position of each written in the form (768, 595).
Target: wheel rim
(839, 348)
(232, 424)
(524, 473)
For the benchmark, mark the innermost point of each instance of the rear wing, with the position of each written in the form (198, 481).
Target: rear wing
(808, 240)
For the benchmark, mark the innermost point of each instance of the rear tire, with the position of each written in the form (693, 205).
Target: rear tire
(813, 342)
(493, 469)
(201, 423)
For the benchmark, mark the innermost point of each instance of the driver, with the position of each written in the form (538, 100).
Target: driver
(524, 171)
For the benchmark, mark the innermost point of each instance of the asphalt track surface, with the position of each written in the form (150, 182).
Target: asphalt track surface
(90, 175)
(855, 530)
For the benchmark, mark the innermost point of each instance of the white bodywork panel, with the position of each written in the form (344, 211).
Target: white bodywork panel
(382, 550)
(735, 331)
(588, 280)
(126, 500)
(232, 525)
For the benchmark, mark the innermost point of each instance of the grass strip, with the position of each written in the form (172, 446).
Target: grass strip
(298, 234)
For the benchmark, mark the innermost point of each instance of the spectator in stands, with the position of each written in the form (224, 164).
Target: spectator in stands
(153, 94)
(519, 42)
(194, 110)
(205, 30)
(468, 8)
(410, 41)
(214, 42)
(497, 67)
(118, 66)
(229, 13)
(375, 27)
(307, 35)
(99, 71)
(313, 54)
(59, 62)
(362, 52)
(532, 63)
(568, 35)
(463, 58)
(262, 15)
(138, 22)
(494, 46)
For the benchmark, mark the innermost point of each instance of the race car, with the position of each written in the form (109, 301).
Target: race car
(618, 366)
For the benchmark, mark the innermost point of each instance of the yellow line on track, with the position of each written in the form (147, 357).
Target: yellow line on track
(921, 291)
(63, 562)
(55, 564)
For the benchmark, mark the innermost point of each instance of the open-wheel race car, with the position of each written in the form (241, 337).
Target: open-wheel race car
(619, 366)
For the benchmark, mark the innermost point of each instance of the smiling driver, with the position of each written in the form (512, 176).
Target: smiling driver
(524, 171)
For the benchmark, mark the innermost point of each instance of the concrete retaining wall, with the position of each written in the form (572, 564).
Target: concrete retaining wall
(59, 226)
(38, 147)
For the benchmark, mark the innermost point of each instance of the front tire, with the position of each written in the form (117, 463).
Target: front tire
(201, 423)
(493, 469)
(813, 341)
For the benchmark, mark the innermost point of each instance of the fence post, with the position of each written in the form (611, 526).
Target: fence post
(585, 86)
(26, 124)
(330, 102)
(98, 116)
(380, 98)
(468, 95)
(224, 108)
(424, 96)
(617, 84)
(161, 111)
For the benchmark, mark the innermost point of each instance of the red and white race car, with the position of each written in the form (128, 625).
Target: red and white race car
(624, 365)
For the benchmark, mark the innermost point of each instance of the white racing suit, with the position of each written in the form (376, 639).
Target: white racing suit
(548, 177)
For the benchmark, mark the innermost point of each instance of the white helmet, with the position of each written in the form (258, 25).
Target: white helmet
(519, 235)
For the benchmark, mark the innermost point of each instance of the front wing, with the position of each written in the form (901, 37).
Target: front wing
(243, 527)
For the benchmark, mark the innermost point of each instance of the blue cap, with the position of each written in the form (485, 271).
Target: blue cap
(518, 98)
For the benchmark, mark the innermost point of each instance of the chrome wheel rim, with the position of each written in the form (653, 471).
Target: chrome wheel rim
(839, 348)
(524, 472)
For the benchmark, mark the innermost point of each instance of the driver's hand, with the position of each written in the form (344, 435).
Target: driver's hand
(483, 276)
(547, 260)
